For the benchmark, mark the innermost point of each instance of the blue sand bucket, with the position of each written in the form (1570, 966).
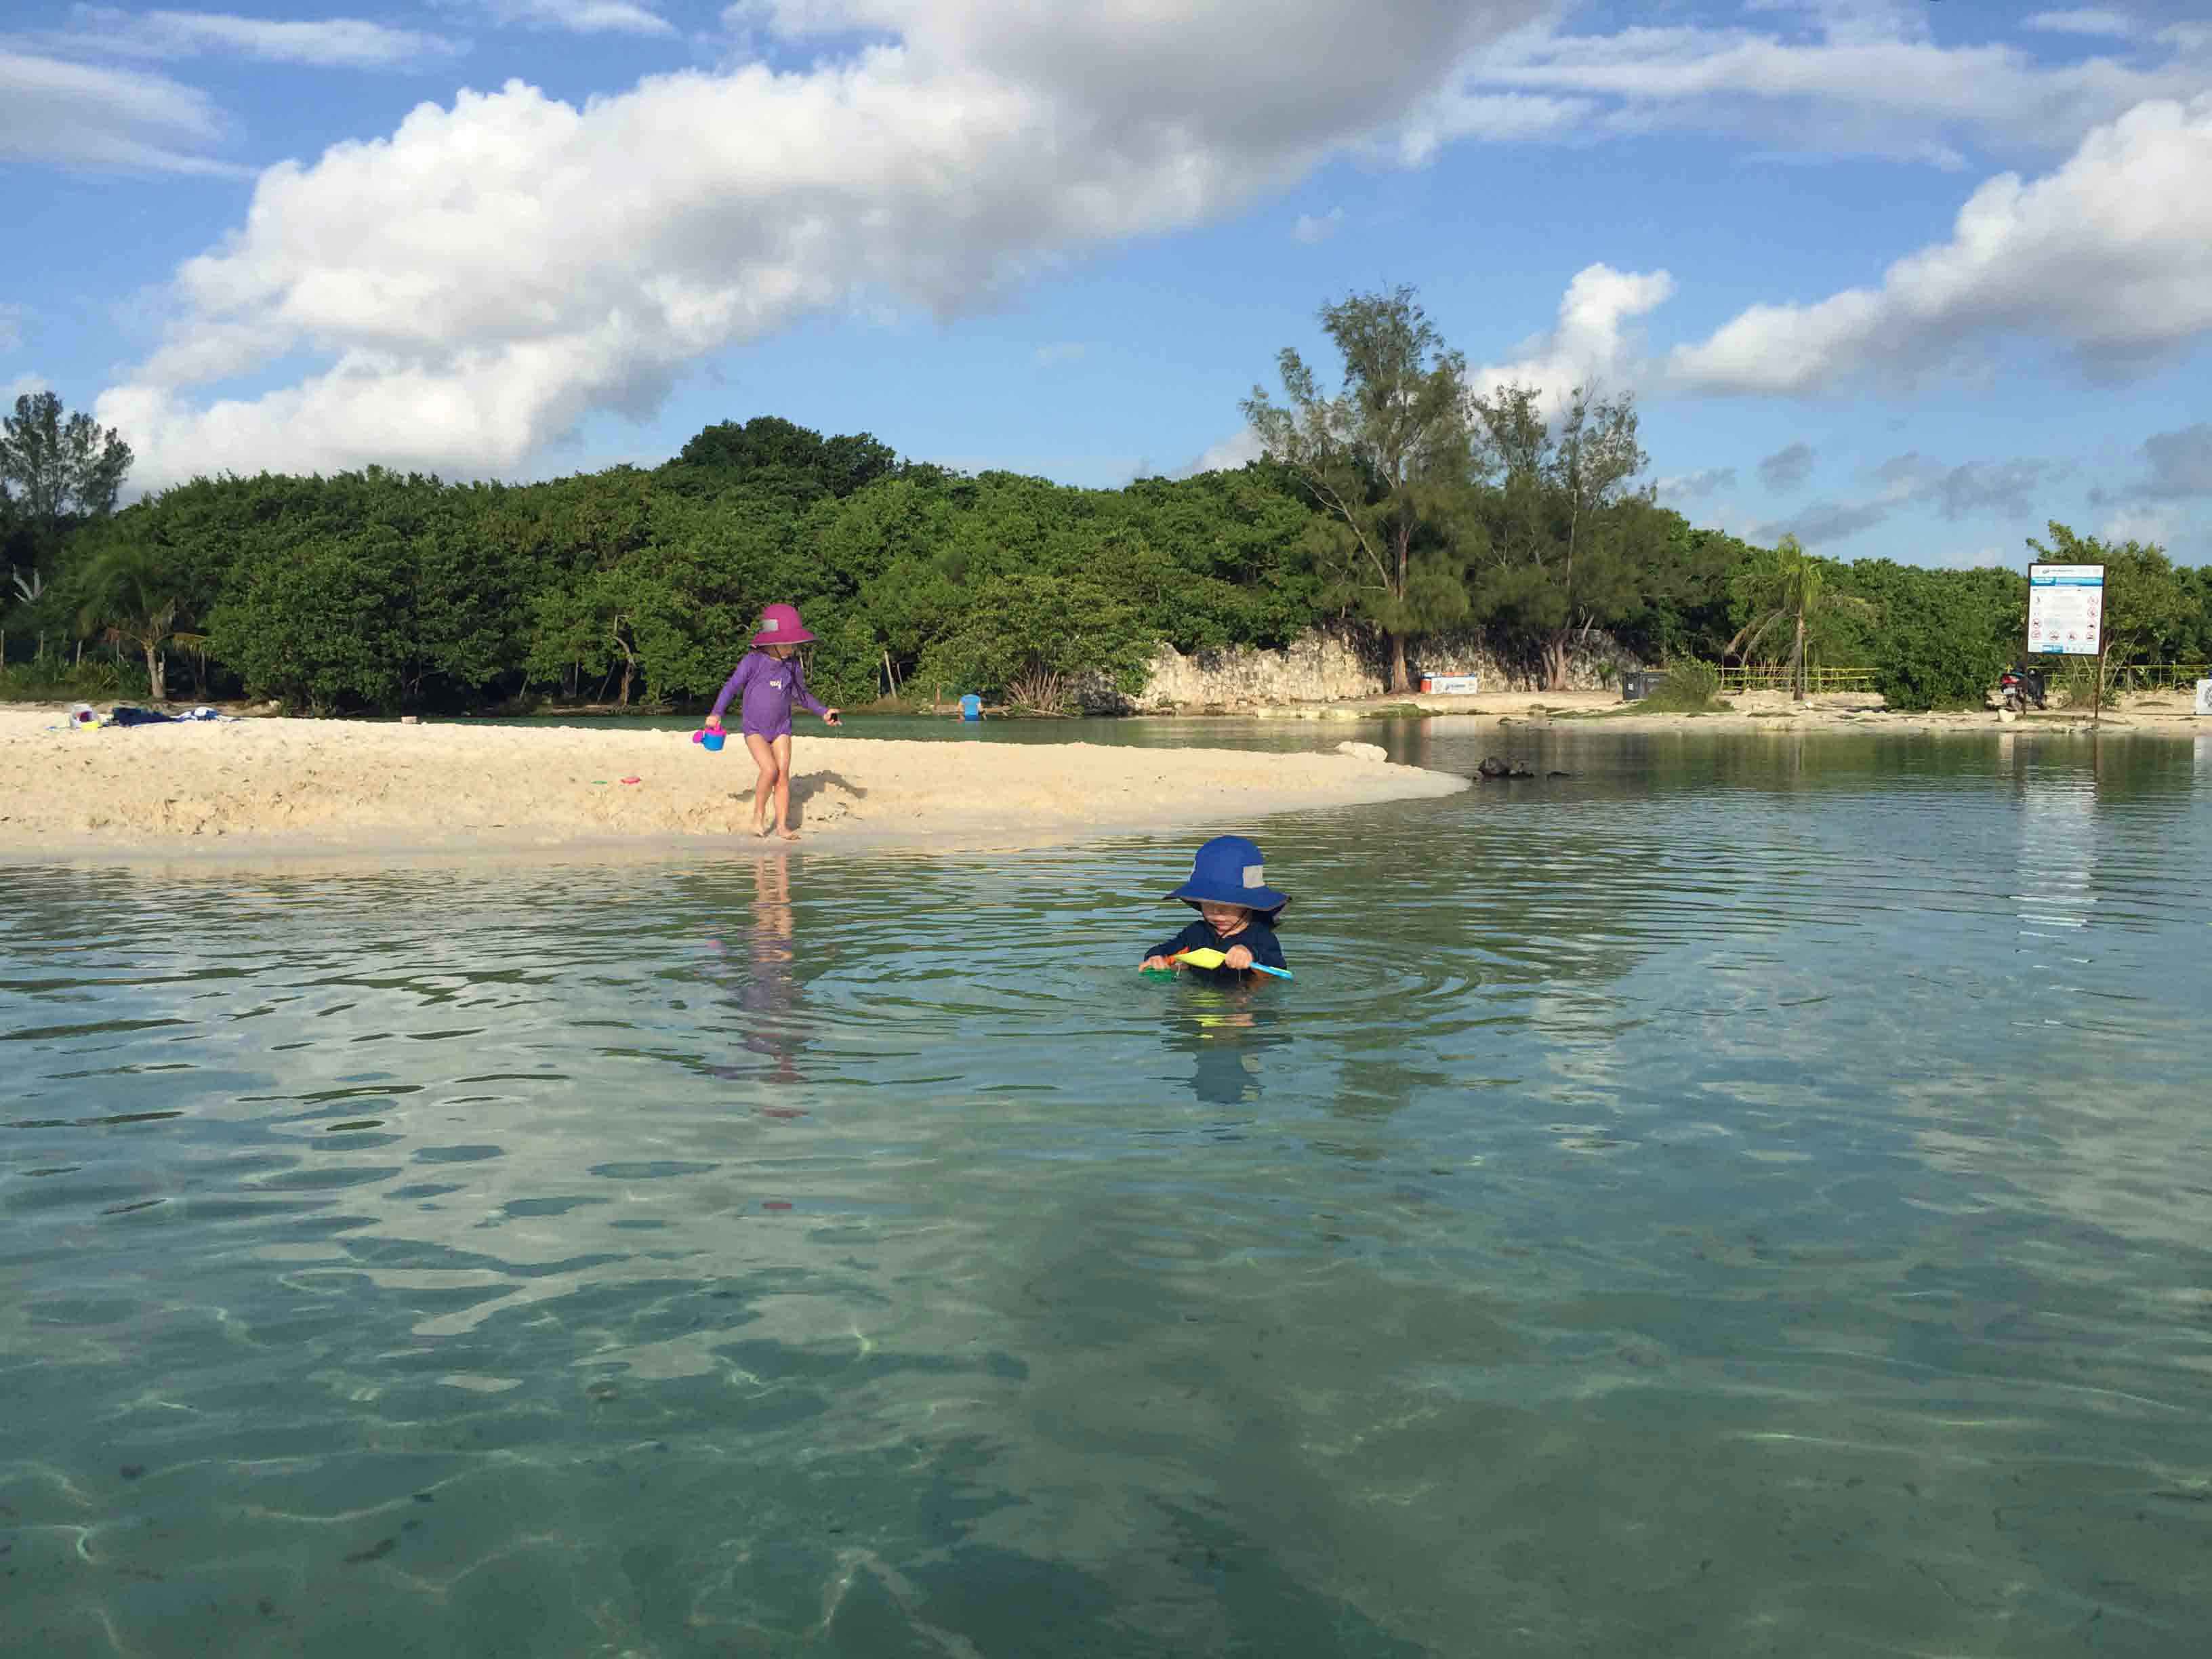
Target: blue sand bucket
(712, 739)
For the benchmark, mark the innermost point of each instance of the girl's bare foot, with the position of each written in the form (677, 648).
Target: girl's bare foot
(788, 835)
(760, 830)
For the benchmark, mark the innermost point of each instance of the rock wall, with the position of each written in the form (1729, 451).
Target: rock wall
(1327, 666)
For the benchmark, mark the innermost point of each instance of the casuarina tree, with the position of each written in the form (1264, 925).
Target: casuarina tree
(1564, 538)
(59, 472)
(1385, 461)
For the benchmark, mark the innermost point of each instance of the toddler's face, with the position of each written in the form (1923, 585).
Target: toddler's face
(782, 653)
(1225, 919)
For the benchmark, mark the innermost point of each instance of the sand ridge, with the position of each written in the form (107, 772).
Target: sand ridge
(319, 786)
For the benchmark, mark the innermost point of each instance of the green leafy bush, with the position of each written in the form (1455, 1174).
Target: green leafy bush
(1691, 687)
(320, 628)
(1025, 632)
(1940, 646)
(96, 679)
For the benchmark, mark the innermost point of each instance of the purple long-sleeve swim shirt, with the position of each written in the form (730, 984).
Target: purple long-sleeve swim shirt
(770, 689)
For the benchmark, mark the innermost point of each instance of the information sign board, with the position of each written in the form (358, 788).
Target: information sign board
(2065, 609)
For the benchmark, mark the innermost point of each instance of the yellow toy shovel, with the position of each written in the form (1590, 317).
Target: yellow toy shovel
(1205, 956)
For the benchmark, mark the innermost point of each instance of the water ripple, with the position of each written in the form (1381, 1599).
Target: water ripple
(1669, 1200)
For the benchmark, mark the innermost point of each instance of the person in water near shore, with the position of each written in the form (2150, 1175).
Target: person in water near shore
(1236, 912)
(772, 680)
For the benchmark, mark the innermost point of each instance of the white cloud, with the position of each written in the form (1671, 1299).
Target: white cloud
(2110, 24)
(806, 20)
(2178, 466)
(1861, 79)
(1591, 343)
(2111, 254)
(11, 326)
(1787, 468)
(2007, 488)
(582, 16)
(476, 283)
(2180, 462)
(332, 42)
(2157, 526)
(1310, 229)
(22, 385)
(1059, 352)
(1497, 117)
(1825, 523)
(80, 115)
(1695, 486)
(1239, 449)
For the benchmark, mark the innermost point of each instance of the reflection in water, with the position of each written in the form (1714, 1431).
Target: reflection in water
(1746, 1205)
(1226, 1031)
(768, 990)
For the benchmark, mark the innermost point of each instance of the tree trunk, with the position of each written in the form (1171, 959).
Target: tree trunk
(157, 685)
(1402, 536)
(1797, 663)
(629, 667)
(1555, 659)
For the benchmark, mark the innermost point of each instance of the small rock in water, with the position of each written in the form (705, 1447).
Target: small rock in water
(1363, 751)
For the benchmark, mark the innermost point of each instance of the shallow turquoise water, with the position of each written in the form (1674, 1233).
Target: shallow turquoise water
(1749, 1197)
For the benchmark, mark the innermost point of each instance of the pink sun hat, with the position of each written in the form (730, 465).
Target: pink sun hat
(779, 625)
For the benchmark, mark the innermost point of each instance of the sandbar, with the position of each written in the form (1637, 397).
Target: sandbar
(279, 787)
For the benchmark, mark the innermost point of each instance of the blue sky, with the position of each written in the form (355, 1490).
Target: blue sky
(1906, 278)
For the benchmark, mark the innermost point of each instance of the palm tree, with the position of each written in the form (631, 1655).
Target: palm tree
(132, 594)
(30, 588)
(1785, 584)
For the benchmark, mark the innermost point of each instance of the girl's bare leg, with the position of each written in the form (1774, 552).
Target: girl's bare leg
(763, 754)
(783, 789)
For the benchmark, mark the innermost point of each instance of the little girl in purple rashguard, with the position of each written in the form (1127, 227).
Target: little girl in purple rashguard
(772, 680)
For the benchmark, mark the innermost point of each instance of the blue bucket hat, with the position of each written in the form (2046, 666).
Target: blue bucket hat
(1228, 870)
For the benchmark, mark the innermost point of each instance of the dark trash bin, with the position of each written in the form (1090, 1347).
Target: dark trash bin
(1635, 687)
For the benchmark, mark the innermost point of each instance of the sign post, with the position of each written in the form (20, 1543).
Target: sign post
(2066, 616)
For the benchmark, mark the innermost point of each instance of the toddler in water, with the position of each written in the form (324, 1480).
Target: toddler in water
(1237, 910)
(772, 680)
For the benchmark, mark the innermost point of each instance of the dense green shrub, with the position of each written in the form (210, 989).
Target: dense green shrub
(1942, 644)
(377, 590)
(1027, 637)
(322, 628)
(53, 679)
(1692, 687)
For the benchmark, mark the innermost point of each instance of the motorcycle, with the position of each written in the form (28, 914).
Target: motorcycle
(2020, 688)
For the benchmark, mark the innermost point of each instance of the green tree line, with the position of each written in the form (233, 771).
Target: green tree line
(1408, 508)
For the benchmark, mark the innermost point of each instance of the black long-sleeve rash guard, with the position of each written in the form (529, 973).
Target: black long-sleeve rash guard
(1257, 937)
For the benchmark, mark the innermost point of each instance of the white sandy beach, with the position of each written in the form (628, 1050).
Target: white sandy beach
(327, 786)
